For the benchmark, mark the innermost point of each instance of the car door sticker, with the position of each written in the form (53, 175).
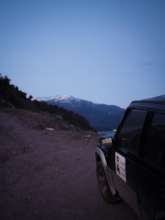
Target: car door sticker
(120, 166)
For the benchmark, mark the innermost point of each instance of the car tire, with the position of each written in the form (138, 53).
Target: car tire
(103, 185)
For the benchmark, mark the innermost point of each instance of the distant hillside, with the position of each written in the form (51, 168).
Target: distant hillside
(12, 97)
(100, 116)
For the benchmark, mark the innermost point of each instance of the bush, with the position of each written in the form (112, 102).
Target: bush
(11, 95)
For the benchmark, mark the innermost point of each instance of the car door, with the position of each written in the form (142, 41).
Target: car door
(152, 168)
(125, 155)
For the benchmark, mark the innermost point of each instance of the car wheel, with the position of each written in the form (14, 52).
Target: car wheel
(103, 185)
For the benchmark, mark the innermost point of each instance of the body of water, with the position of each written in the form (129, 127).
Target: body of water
(105, 134)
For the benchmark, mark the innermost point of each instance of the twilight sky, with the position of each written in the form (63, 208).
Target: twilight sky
(106, 51)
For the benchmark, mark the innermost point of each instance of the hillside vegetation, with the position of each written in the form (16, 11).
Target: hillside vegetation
(12, 97)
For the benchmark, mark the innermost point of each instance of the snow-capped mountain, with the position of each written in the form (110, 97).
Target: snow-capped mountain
(60, 99)
(100, 116)
(44, 98)
(65, 99)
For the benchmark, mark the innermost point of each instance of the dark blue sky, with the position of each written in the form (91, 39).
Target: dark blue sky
(106, 51)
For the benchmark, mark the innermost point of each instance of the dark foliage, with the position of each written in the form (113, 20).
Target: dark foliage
(11, 96)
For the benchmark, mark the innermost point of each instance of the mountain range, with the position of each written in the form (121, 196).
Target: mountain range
(102, 117)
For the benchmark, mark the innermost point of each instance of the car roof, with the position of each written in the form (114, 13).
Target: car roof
(155, 103)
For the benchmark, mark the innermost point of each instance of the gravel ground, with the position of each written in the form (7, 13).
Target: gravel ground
(50, 174)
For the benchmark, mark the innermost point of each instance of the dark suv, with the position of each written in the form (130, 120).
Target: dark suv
(131, 165)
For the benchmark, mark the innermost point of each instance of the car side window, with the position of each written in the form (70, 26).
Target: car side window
(154, 142)
(129, 135)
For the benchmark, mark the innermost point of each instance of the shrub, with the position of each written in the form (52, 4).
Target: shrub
(11, 95)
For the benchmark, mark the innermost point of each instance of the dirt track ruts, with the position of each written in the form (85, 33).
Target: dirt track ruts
(54, 178)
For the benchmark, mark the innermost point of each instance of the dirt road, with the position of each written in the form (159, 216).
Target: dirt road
(53, 177)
